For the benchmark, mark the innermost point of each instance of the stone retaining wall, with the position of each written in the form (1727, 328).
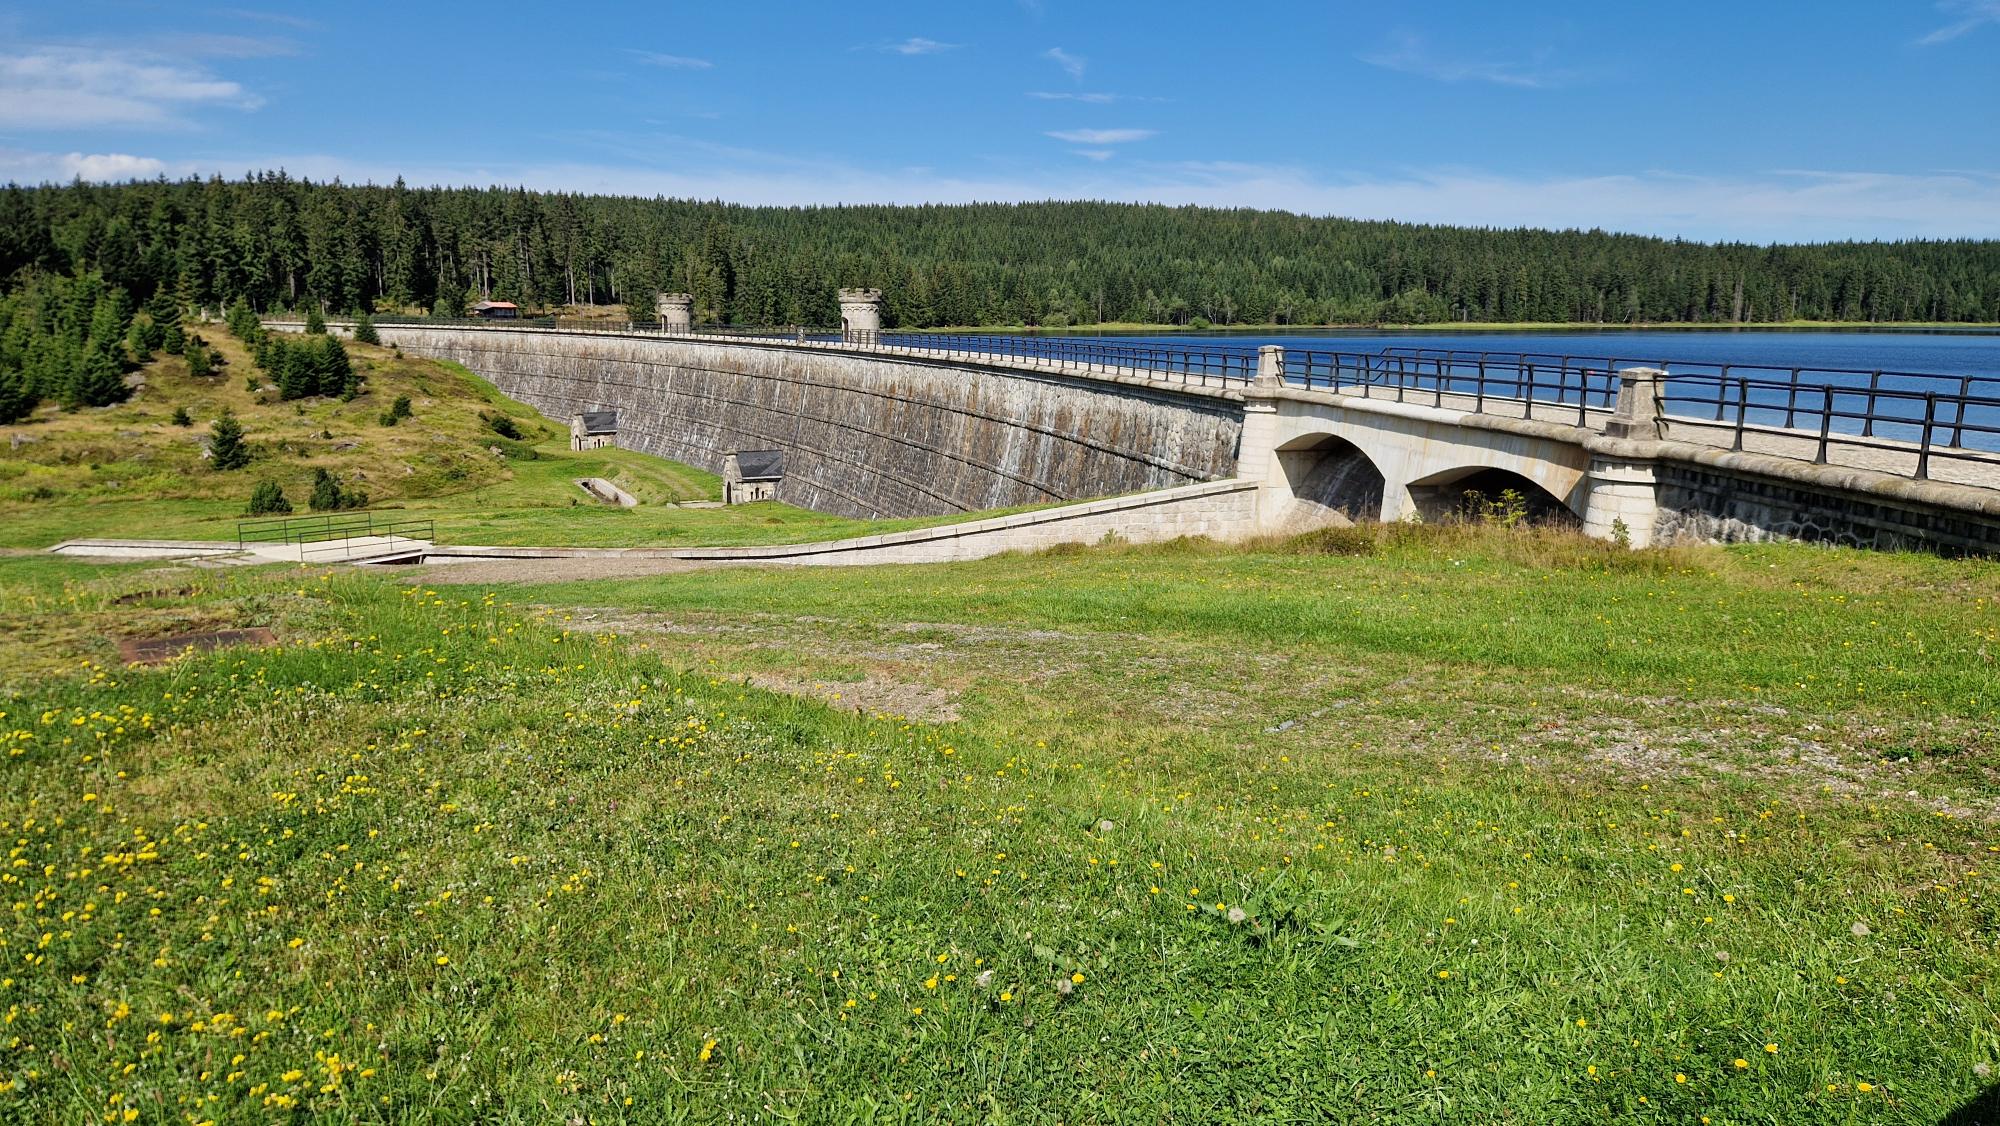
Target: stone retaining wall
(863, 434)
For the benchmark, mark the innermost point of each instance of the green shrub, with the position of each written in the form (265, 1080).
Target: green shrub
(364, 330)
(502, 425)
(328, 496)
(267, 499)
(182, 417)
(397, 412)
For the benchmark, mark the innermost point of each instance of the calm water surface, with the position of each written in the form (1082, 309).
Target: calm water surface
(1943, 353)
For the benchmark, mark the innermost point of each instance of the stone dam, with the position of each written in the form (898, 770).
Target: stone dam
(870, 427)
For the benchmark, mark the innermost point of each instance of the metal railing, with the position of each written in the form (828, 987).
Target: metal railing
(331, 534)
(1932, 416)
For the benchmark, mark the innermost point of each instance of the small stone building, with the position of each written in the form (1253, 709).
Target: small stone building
(752, 475)
(593, 430)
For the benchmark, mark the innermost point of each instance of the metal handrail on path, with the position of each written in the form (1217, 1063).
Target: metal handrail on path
(323, 535)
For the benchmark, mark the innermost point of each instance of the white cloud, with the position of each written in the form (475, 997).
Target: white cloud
(60, 168)
(1095, 154)
(1409, 55)
(918, 45)
(83, 87)
(1772, 206)
(1971, 15)
(1072, 64)
(1103, 136)
(670, 62)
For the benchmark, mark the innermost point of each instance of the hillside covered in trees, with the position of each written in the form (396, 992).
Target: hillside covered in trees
(278, 242)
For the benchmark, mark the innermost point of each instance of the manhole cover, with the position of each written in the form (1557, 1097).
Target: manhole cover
(153, 650)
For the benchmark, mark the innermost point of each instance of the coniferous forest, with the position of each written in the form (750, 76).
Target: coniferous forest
(283, 243)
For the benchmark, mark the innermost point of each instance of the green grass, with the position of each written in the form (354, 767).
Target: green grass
(126, 471)
(1429, 825)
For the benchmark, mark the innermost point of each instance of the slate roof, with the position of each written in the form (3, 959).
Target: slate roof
(600, 422)
(760, 465)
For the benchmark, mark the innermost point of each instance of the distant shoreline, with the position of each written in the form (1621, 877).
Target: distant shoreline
(1483, 326)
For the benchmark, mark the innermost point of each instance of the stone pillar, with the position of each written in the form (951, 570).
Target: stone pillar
(1641, 411)
(1624, 491)
(676, 311)
(1257, 450)
(860, 312)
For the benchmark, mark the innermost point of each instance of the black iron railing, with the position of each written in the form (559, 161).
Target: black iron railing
(333, 533)
(1926, 415)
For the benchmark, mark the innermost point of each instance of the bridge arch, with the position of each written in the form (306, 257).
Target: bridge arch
(1330, 481)
(1472, 491)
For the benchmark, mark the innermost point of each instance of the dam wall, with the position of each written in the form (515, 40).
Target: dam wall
(863, 434)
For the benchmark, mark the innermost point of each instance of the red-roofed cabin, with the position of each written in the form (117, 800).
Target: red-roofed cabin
(497, 310)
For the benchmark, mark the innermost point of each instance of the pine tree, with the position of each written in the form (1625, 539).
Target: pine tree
(200, 361)
(315, 324)
(182, 417)
(334, 371)
(98, 381)
(364, 330)
(15, 401)
(268, 499)
(226, 448)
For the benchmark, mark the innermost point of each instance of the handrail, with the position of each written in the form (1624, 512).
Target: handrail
(1938, 416)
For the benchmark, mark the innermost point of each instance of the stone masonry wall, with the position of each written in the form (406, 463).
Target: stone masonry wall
(1707, 504)
(863, 435)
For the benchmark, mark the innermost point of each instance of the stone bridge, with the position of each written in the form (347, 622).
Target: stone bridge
(911, 425)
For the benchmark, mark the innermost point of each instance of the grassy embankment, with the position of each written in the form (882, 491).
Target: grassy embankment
(1411, 824)
(127, 470)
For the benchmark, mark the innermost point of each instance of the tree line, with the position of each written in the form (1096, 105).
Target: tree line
(276, 242)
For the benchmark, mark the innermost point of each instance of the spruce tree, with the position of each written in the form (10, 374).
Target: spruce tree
(98, 381)
(201, 361)
(226, 448)
(315, 324)
(15, 401)
(364, 330)
(335, 371)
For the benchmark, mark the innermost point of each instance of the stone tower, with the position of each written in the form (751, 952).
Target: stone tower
(676, 311)
(860, 311)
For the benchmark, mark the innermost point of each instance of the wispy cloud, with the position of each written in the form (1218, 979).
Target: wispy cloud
(918, 45)
(1970, 16)
(1103, 136)
(1772, 206)
(1095, 154)
(82, 87)
(109, 167)
(1090, 98)
(227, 46)
(1409, 54)
(669, 62)
(282, 19)
(1072, 64)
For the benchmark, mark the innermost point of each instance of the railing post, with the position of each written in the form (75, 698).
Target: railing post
(1924, 451)
(1825, 426)
(1641, 411)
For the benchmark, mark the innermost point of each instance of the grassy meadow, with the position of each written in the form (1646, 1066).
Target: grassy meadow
(1398, 825)
(128, 470)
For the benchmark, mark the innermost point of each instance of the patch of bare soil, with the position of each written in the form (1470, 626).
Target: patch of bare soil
(153, 650)
(490, 571)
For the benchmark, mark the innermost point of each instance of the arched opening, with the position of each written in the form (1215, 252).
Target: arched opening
(1478, 494)
(1331, 480)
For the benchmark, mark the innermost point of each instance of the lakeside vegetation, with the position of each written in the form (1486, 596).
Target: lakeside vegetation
(1183, 831)
(284, 243)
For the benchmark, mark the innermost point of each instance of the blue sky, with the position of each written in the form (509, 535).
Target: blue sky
(1762, 120)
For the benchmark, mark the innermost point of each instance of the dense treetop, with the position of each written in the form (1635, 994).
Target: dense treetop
(279, 242)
